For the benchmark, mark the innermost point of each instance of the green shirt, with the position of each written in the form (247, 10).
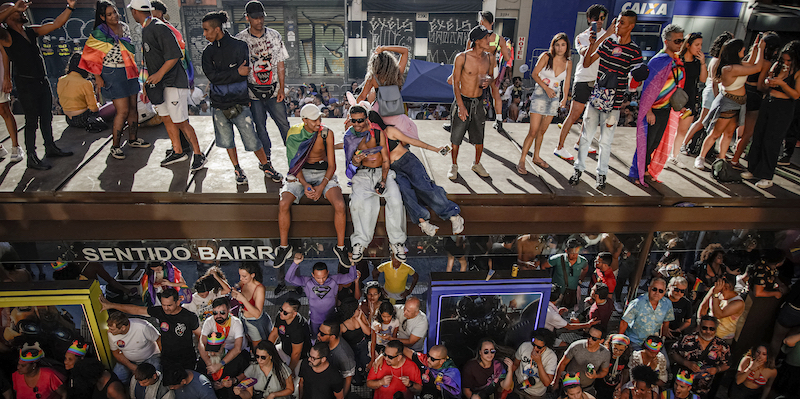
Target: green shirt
(573, 270)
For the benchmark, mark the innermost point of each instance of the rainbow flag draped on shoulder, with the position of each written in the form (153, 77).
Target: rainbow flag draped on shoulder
(100, 42)
(298, 146)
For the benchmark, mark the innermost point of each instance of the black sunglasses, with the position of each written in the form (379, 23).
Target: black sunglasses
(262, 357)
(359, 120)
(679, 41)
(596, 338)
(539, 347)
(216, 312)
(285, 313)
(390, 356)
(36, 391)
(705, 328)
(659, 290)
(488, 351)
(681, 290)
(322, 334)
(434, 359)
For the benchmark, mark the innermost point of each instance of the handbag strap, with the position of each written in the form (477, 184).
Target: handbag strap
(564, 270)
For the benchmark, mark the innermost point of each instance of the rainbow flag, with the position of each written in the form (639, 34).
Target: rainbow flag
(100, 42)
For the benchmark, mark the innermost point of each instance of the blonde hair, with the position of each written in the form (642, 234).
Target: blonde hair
(385, 67)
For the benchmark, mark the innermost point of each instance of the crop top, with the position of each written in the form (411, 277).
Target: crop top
(737, 84)
(758, 381)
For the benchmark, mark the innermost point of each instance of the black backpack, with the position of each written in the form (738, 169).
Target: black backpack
(723, 172)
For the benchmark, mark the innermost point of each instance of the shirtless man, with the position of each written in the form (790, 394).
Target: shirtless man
(313, 155)
(368, 169)
(472, 73)
(529, 247)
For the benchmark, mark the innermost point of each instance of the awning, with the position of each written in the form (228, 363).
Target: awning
(421, 5)
(427, 83)
(766, 17)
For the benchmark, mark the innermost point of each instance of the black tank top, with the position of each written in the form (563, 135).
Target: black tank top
(26, 58)
(353, 337)
(789, 81)
(103, 393)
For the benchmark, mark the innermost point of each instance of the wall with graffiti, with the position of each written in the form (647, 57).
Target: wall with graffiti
(321, 38)
(447, 36)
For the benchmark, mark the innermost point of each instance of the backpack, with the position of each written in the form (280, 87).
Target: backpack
(723, 172)
(389, 99)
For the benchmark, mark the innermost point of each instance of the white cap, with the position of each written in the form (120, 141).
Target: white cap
(310, 111)
(140, 5)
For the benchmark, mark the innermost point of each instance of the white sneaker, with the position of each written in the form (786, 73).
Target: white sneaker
(480, 170)
(3, 151)
(699, 163)
(563, 154)
(677, 162)
(747, 175)
(428, 228)
(764, 184)
(453, 172)
(458, 224)
(399, 251)
(16, 154)
(592, 150)
(358, 252)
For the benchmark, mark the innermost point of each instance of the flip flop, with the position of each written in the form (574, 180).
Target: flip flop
(521, 170)
(542, 164)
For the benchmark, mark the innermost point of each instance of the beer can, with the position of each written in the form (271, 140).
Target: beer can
(514, 270)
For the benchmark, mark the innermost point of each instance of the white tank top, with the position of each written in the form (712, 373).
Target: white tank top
(549, 78)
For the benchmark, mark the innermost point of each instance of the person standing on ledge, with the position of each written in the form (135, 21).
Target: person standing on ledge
(29, 72)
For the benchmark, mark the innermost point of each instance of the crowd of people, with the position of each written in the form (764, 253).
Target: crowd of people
(697, 330)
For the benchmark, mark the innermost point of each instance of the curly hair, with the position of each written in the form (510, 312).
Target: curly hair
(385, 67)
(716, 46)
(710, 252)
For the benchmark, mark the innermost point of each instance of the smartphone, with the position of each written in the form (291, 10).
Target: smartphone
(445, 150)
(594, 26)
(379, 188)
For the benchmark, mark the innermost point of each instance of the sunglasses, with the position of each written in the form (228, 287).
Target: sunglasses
(539, 347)
(359, 120)
(704, 328)
(488, 351)
(659, 290)
(314, 358)
(221, 313)
(433, 359)
(679, 41)
(322, 334)
(596, 338)
(285, 313)
(264, 357)
(390, 356)
(681, 290)
(36, 391)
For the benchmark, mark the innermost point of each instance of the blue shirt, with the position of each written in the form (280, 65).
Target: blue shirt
(199, 388)
(573, 270)
(643, 320)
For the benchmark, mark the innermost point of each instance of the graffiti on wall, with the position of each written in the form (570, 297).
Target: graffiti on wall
(195, 41)
(391, 30)
(322, 41)
(447, 36)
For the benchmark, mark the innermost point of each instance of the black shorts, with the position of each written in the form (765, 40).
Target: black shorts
(475, 122)
(581, 91)
(754, 98)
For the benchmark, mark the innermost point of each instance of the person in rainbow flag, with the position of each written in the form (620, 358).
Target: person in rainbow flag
(667, 75)
(109, 55)
(160, 275)
(312, 172)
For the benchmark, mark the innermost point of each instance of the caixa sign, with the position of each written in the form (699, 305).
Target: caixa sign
(647, 10)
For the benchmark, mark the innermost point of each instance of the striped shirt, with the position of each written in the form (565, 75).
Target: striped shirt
(618, 59)
(662, 101)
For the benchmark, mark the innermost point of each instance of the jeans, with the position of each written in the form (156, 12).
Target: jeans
(365, 205)
(223, 130)
(418, 190)
(257, 329)
(592, 118)
(259, 109)
(37, 103)
(124, 374)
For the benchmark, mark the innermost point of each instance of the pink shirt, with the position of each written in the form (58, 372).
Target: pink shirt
(49, 381)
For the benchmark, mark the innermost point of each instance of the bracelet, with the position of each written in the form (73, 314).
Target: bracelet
(326, 178)
(70, 8)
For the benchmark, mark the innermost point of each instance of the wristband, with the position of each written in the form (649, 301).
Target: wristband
(70, 8)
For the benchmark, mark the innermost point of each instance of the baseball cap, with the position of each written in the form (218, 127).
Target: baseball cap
(310, 111)
(478, 33)
(254, 9)
(140, 5)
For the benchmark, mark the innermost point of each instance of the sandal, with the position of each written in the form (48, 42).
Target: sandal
(521, 170)
(541, 163)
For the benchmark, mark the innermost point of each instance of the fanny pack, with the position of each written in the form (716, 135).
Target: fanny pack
(604, 92)
(233, 111)
(262, 92)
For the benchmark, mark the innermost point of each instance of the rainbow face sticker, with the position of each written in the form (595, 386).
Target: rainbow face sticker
(30, 355)
(653, 346)
(216, 338)
(570, 380)
(58, 265)
(78, 349)
(685, 378)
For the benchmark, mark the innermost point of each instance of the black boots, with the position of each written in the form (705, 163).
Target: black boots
(35, 163)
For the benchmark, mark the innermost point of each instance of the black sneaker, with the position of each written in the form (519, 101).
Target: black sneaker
(499, 127)
(447, 126)
(279, 288)
(341, 254)
(785, 161)
(601, 182)
(240, 177)
(198, 161)
(174, 157)
(270, 172)
(282, 255)
(576, 178)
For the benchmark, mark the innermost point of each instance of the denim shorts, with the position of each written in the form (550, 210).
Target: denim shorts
(258, 329)
(223, 129)
(708, 97)
(542, 104)
(312, 177)
(117, 85)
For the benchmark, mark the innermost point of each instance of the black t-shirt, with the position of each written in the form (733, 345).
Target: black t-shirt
(295, 333)
(160, 45)
(502, 257)
(320, 385)
(26, 58)
(176, 332)
(682, 310)
(475, 377)
(429, 389)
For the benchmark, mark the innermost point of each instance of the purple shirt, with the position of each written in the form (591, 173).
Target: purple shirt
(321, 297)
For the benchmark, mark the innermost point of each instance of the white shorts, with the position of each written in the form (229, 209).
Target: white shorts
(4, 97)
(175, 104)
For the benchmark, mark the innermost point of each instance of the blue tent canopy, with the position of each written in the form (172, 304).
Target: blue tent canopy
(427, 83)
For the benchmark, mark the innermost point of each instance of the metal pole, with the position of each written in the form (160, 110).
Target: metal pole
(640, 264)
(346, 46)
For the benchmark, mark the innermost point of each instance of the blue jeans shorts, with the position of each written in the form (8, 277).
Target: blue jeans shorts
(117, 85)
(223, 129)
(312, 177)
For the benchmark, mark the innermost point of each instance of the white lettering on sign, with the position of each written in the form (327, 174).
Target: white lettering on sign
(646, 8)
(178, 254)
(520, 48)
(422, 16)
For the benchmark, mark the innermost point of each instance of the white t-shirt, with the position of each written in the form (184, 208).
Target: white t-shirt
(202, 306)
(254, 371)
(528, 368)
(236, 331)
(417, 326)
(139, 343)
(587, 74)
(553, 320)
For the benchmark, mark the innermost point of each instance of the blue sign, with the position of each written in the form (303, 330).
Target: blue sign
(647, 10)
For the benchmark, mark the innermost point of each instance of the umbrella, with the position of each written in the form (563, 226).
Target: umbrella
(427, 82)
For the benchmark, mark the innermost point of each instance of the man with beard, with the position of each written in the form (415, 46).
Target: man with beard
(439, 374)
(703, 354)
(234, 357)
(29, 72)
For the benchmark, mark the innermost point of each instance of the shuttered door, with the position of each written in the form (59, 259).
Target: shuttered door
(322, 41)
(273, 19)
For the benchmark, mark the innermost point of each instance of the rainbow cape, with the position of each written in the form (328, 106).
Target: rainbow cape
(173, 275)
(100, 42)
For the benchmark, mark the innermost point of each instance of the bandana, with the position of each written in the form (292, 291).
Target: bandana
(58, 265)
(685, 377)
(653, 345)
(78, 349)
(570, 380)
(620, 339)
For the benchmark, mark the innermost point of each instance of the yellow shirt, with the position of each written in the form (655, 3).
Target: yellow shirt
(76, 93)
(395, 278)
